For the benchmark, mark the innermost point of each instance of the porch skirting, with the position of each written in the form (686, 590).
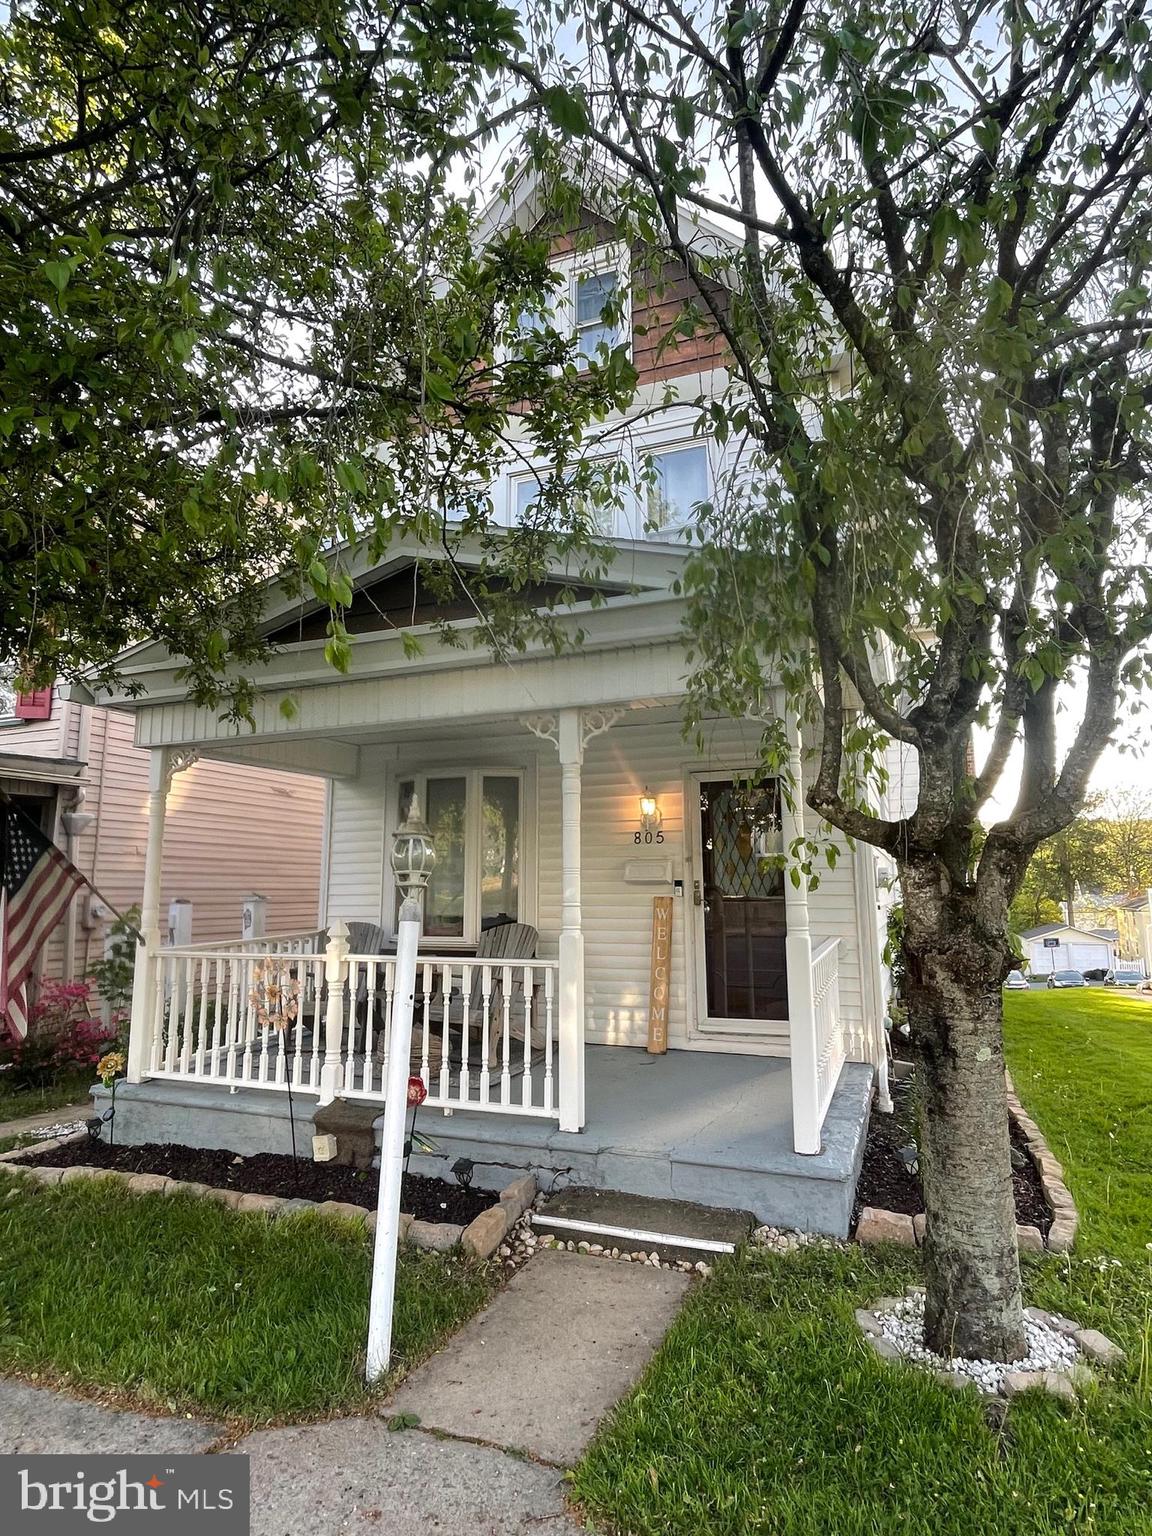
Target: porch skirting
(707, 1127)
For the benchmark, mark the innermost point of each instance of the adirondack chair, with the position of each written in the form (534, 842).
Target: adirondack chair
(505, 942)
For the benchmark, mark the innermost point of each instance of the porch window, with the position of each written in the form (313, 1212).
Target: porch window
(475, 819)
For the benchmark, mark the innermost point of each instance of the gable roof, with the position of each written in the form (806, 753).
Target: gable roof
(1046, 930)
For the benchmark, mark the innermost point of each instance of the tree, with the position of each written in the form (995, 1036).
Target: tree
(1127, 831)
(937, 317)
(231, 268)
(1072, 860)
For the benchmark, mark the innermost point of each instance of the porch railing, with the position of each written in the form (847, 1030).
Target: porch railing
(252, 1015)
(309, 942)
(816, 1034)
(829, 1028)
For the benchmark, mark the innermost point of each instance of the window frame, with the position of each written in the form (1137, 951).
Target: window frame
(657, 449)
(474, 776)
(610, 257)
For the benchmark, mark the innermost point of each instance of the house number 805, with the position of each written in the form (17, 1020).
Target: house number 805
(648, 837)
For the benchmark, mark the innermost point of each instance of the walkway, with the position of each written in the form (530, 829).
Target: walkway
(67, 1114)
(533, 1374)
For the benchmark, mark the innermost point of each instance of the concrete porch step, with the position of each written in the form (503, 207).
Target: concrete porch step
(675, 1229)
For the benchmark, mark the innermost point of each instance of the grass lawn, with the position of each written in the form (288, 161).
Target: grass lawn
(182, 1303)
(74, 1088)
(763, 1411)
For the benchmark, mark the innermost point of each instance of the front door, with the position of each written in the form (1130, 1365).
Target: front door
(738, 896)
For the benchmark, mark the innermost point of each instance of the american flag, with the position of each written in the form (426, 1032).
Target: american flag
(36, 884)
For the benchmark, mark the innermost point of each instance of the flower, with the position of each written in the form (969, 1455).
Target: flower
(110, 1067)
(417, 1092)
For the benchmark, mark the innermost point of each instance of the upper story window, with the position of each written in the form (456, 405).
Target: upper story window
(680, 482)
(590, 305)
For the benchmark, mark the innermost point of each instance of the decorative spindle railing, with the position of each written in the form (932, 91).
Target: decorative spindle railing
(253, 1015)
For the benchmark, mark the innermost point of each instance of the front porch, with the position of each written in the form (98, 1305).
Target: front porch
(709, 1127)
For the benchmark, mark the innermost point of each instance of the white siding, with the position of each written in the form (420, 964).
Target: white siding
(638, 751)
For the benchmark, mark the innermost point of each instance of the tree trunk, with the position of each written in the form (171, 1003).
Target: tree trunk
(954, 972)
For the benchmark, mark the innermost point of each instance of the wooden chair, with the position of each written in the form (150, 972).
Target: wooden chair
(506, 942)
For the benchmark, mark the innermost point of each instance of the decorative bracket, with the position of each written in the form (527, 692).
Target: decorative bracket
(547, 727)
(178, 760)
(594, 722)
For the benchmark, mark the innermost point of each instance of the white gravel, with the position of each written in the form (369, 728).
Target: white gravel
(50, 1132)
(1048, 1350)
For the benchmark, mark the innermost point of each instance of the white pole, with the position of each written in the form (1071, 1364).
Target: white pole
(413, 856)
(392, 1143)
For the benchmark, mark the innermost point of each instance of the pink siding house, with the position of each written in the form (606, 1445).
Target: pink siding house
(232, 830)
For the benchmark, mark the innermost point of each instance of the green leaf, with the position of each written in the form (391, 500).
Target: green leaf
(58, 273)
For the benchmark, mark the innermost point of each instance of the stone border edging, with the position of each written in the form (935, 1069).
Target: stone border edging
(1065, 1219)
(876, 1225)
(480, 1238)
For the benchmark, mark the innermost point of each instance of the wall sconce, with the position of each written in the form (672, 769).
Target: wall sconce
(650, 817)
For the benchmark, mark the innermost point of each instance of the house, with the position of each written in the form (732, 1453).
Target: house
(1133, 918)
(76, 772)
(735, 1070)
(1057, 947)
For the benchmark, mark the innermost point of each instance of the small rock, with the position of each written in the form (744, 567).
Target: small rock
(484, 1234)
(868, 1322)
(883, 1347)
(148, 1184)
(1029, 1239)
(228, 1197)
(1097, 1346)
(260, 1205)
(82, 1171)
(877, 1226)
(583, 1247)
(1061, 1235)
(954, 1379)
(296, 1208)
(595, 1248)
(44, 1175)
(345, 1210)
(1056, 1383)
(919, 1227)
(438, 1236)
(520, 1194)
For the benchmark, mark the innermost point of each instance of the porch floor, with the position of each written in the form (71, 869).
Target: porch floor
(709, 1127)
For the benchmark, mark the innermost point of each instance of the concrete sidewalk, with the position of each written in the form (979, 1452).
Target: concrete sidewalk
(534, 1374)
(68, 1114)
(347, 1475)
(549, 1357)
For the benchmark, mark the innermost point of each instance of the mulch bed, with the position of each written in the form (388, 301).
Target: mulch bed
(887, 1184)
(269, 1173)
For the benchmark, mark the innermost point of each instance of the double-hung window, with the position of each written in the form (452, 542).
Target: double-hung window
(679, 483)
(475, 816)
(594, 507)
(597, 320)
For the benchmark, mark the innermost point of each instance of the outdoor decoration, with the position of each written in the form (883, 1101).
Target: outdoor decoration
(110, 1069)
(658, 990)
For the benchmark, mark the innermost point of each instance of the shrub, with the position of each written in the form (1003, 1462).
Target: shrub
(62, 1038)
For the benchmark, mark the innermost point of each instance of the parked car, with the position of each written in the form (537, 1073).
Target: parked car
(1125, 976)
(1065, 979)
(1015, 981)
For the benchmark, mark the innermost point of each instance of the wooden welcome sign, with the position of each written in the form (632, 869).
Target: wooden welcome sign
(661, 974)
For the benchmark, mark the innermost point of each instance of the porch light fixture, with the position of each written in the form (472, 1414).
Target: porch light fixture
(413, 853)
(650, 817)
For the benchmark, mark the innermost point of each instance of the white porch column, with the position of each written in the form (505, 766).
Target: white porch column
(144, 975)
(570, 745)
(798, 952)
(336, 977)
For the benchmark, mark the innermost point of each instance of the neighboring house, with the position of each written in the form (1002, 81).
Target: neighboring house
(1133, 918)
(77, 773)
(564, 799)
(1056, 947)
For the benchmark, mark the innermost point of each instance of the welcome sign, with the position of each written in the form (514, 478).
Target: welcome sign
(660, 985)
